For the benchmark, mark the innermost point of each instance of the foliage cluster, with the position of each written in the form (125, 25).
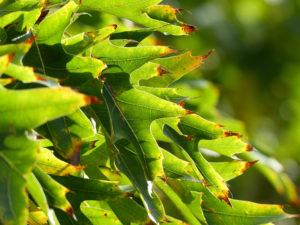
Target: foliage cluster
(94, 129)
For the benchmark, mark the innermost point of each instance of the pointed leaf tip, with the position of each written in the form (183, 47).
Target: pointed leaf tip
(188, 28)
(168, 51)
(248, 165)
(210, 52)
(40, 78)
(188, 112)
(231, 133)
(181, 103)
(30, 40)
(92, 100)
(70, 211)
(10, 57)
(226, 199)
(249, 148)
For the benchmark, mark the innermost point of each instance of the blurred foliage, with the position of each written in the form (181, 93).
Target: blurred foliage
(255, 65)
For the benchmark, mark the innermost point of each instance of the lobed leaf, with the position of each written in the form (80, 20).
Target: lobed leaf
(145, 13)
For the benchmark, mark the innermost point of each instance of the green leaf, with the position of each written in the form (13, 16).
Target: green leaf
(23, 19)
(90, 189)
(50, 164)
(56, 193)
(5, 81)
(28, 112)
(195, 206)
(131, 173)
(68, 134)
(163, 12)
(80, 64)
(17, 157)
(202, 97)
(98, 215)
(19, 5)
(20, 49)
(171, 69)
(199, 127)
(240, 212)
(170, 94)
(175, 199)
(37, 218)
(95, 156)
(130, 58)
(131, 118)
(137, 35)
(130, 165)
(36, 191)
(137, 11)
(65, 144)
(78, 43)
(22, 73)
(51, 29)
(176, 167)
(243, 212)
(214, 181)
(227, 146)
(230, 170)
(128, 211)
(81, 126)
(4, 62)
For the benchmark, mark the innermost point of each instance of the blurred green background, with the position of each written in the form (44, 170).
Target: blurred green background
(256, 67)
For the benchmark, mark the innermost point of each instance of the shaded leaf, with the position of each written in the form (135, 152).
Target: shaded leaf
(98, 215)
(90, 189)
(130, 165)
(213, 179)
(128, 211)
(14, 171)
(56, 193)
(50, 164)
(175, 199)
(37, 193)
(23, 19)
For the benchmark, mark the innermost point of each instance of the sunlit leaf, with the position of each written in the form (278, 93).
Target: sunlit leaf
(35, 112)
(137, 11)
